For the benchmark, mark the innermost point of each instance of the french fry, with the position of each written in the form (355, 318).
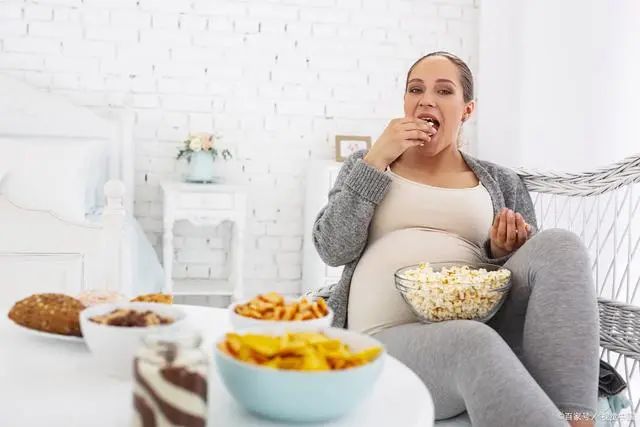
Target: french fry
(278, 312)
(289, 313)
(255, 314)
(273, 298)
(268, 315)
(322, 306)
(272, 306)
(315, 309)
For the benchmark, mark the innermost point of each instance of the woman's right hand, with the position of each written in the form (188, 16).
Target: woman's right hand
(398, 137)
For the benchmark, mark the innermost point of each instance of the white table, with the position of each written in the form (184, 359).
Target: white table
(54, 383)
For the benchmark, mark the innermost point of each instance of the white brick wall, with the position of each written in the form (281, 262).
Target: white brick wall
(277, 78)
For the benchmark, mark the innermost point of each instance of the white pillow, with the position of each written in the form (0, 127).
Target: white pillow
(57, 176)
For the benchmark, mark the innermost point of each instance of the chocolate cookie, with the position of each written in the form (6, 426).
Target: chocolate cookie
(131, 318)
(55, 313)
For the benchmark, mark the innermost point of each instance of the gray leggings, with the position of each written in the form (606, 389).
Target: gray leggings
(536, 357)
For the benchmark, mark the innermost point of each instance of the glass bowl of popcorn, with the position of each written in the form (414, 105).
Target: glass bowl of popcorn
(453, 290)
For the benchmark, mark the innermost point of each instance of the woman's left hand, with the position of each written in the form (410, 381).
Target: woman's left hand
(508, 232)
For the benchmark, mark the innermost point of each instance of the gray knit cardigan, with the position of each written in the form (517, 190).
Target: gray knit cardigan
(341, 229)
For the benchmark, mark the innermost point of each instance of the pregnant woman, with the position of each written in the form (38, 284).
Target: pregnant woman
(413, 197)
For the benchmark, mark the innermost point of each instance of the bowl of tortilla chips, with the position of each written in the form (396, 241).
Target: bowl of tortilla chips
(299, 375)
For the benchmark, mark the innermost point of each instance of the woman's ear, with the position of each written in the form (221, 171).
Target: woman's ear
(468, 110)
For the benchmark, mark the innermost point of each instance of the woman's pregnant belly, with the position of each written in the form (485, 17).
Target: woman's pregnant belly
(374, 302)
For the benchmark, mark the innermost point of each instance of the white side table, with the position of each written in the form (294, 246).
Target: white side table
(208, 205)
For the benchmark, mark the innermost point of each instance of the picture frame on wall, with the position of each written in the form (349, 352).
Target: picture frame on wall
(346, 145)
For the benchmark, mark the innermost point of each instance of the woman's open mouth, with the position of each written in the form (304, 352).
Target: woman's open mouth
(434, 122)
(428, 118)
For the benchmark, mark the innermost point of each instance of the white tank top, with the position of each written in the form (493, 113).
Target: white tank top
(414, 223)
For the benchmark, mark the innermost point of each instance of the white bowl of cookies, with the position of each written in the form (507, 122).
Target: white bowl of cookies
(275, 310)
(113, 332)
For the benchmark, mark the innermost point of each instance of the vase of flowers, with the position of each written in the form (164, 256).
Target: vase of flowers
(201, 154)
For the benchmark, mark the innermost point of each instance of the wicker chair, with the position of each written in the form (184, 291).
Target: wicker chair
(602, 209)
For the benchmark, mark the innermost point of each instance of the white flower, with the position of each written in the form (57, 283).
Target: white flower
(195, 144)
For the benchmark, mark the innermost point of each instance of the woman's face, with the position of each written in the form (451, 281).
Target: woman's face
(434, 92)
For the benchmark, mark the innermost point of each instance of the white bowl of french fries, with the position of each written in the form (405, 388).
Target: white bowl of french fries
(298, 376)
(273, 309)
(436, 292)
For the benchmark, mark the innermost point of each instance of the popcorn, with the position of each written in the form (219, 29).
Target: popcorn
(455, 292)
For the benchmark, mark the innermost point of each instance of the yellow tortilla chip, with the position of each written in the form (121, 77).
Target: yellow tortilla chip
(314, 362)
(305, 351)
(262, 344)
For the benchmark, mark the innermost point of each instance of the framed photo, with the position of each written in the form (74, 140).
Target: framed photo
(346, 145)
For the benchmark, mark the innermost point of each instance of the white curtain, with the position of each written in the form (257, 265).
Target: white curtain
(558, 82)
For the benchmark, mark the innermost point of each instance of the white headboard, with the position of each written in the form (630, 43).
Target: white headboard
(29, 112)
